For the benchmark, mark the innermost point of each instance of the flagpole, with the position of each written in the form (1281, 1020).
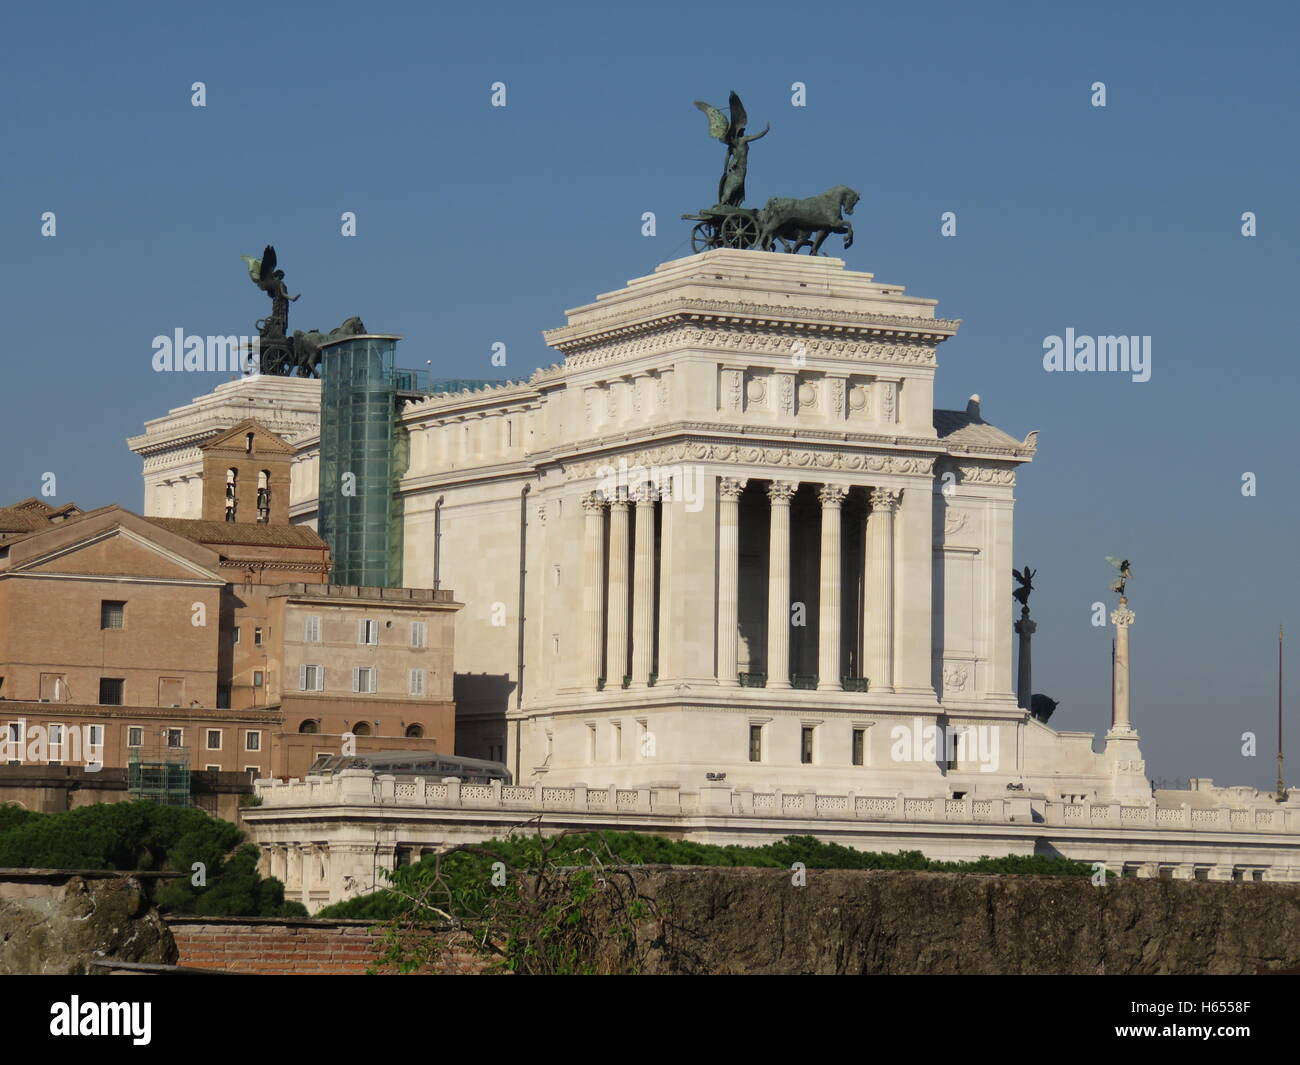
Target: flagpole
(1281, 780)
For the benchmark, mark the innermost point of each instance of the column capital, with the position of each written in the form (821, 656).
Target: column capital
(731, 487)
(832, 495)
(593, 502)
(886, 498)
(644, 495)
(1122, 615)
(619, 503)
(781, 492)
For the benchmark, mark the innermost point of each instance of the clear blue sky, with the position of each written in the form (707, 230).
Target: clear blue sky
(479, 225)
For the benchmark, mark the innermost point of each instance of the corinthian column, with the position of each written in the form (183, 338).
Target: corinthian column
(1122, 617)
(593, 592)
(643, 587)
(779, 493)
(879, 620)
(729, 490)
(616, 645)
(828, 609)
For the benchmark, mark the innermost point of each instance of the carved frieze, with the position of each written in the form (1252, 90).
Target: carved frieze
(754, 455)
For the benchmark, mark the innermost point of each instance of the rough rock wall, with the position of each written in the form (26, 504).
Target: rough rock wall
(59, 928)
(853, 921)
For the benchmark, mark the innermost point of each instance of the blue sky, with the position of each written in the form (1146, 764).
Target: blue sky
(480, 224)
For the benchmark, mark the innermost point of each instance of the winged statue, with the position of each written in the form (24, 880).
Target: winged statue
(1026, 581)
(731, 131)
(1118, 584)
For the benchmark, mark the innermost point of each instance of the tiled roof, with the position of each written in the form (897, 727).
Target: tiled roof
(13, 520)
(967, 430)
(230, 532)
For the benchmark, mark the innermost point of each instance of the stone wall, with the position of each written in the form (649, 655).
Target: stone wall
(898, 923)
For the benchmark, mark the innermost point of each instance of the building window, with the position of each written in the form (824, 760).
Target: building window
(414, 732)
(112, 614)
(859, 746)
(951, 741)
(618, 741)
(264, 496)
(258, 677)
(175, 737)
(214, 739)
(232, 475)
(806, 745)
(234, 634)
(311, 678)
(252, 741)
(361, 728)
(213, 768)
(95, 740)
(417, 682)
(368, 631)
(364, 680)
(309, 727)
(419, 634)
(111, 691)
(171, 691)
(755, 743)
(257, 637)
(591, 744)
(56, 744)
(54, 688)
(254, 773)
(311, 629)
(223, 697)
(135, 736)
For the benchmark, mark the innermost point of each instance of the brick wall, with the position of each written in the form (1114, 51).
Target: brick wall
(291, 947)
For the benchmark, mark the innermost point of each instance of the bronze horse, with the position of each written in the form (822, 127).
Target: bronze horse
(796, 222)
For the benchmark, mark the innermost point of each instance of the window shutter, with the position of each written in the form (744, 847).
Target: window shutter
(302, 678)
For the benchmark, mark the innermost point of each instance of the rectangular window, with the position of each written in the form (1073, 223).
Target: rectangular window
(257, 637)
(171, 691)
(112, 614)
(311, 678)
(213, 768)
(419, 634)
(135, 736)
(234, 634)
(14, 731)
(54, 688)
(368, 631)
(258, 678)
(56, 744)
(254, 773)
(223, 697)
(311, 629)
(96, 738)
(111, 691)
(806, 745)
(364, 680)
(252, 741)
(214, 739)
(859, 746)
(417, 682)
(755, 743)
(175, 737)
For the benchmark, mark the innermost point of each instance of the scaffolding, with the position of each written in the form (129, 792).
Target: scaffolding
(159, 774)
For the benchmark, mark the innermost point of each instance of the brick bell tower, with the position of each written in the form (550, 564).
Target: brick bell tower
(246, 476)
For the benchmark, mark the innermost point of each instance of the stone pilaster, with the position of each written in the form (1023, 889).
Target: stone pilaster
(668, 665)
(643, 587)
(616, 664)
(593, 590)
(829, 669)
(879, 621)
(779, 493)
(729, 489)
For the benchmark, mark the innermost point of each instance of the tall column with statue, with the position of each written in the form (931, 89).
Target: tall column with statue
(1127, 768)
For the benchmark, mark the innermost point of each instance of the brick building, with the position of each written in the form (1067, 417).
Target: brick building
(214, 642)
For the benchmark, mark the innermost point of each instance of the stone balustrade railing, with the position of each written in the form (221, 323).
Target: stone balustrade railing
(363, 788)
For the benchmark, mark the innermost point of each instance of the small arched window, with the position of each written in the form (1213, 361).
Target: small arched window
(361, 728)
(232, 477)
(309, 727)
(415, 732)
(248, 444)
(264, 496)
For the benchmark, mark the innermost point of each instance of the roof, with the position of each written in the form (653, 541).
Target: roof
(968, 430)
(13, 520)
(233, 532)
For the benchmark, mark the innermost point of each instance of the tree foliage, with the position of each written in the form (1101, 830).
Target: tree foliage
(144, 836)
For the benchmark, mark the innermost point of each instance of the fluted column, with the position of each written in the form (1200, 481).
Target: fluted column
(879, 620)
(643, 587)
(1121, 617)
(779, 494)
(616, 646)
(729, 489)
(828, 609)
(668, 662)
(593, 590)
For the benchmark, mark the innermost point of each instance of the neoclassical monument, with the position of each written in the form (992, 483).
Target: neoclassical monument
(725, 550)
